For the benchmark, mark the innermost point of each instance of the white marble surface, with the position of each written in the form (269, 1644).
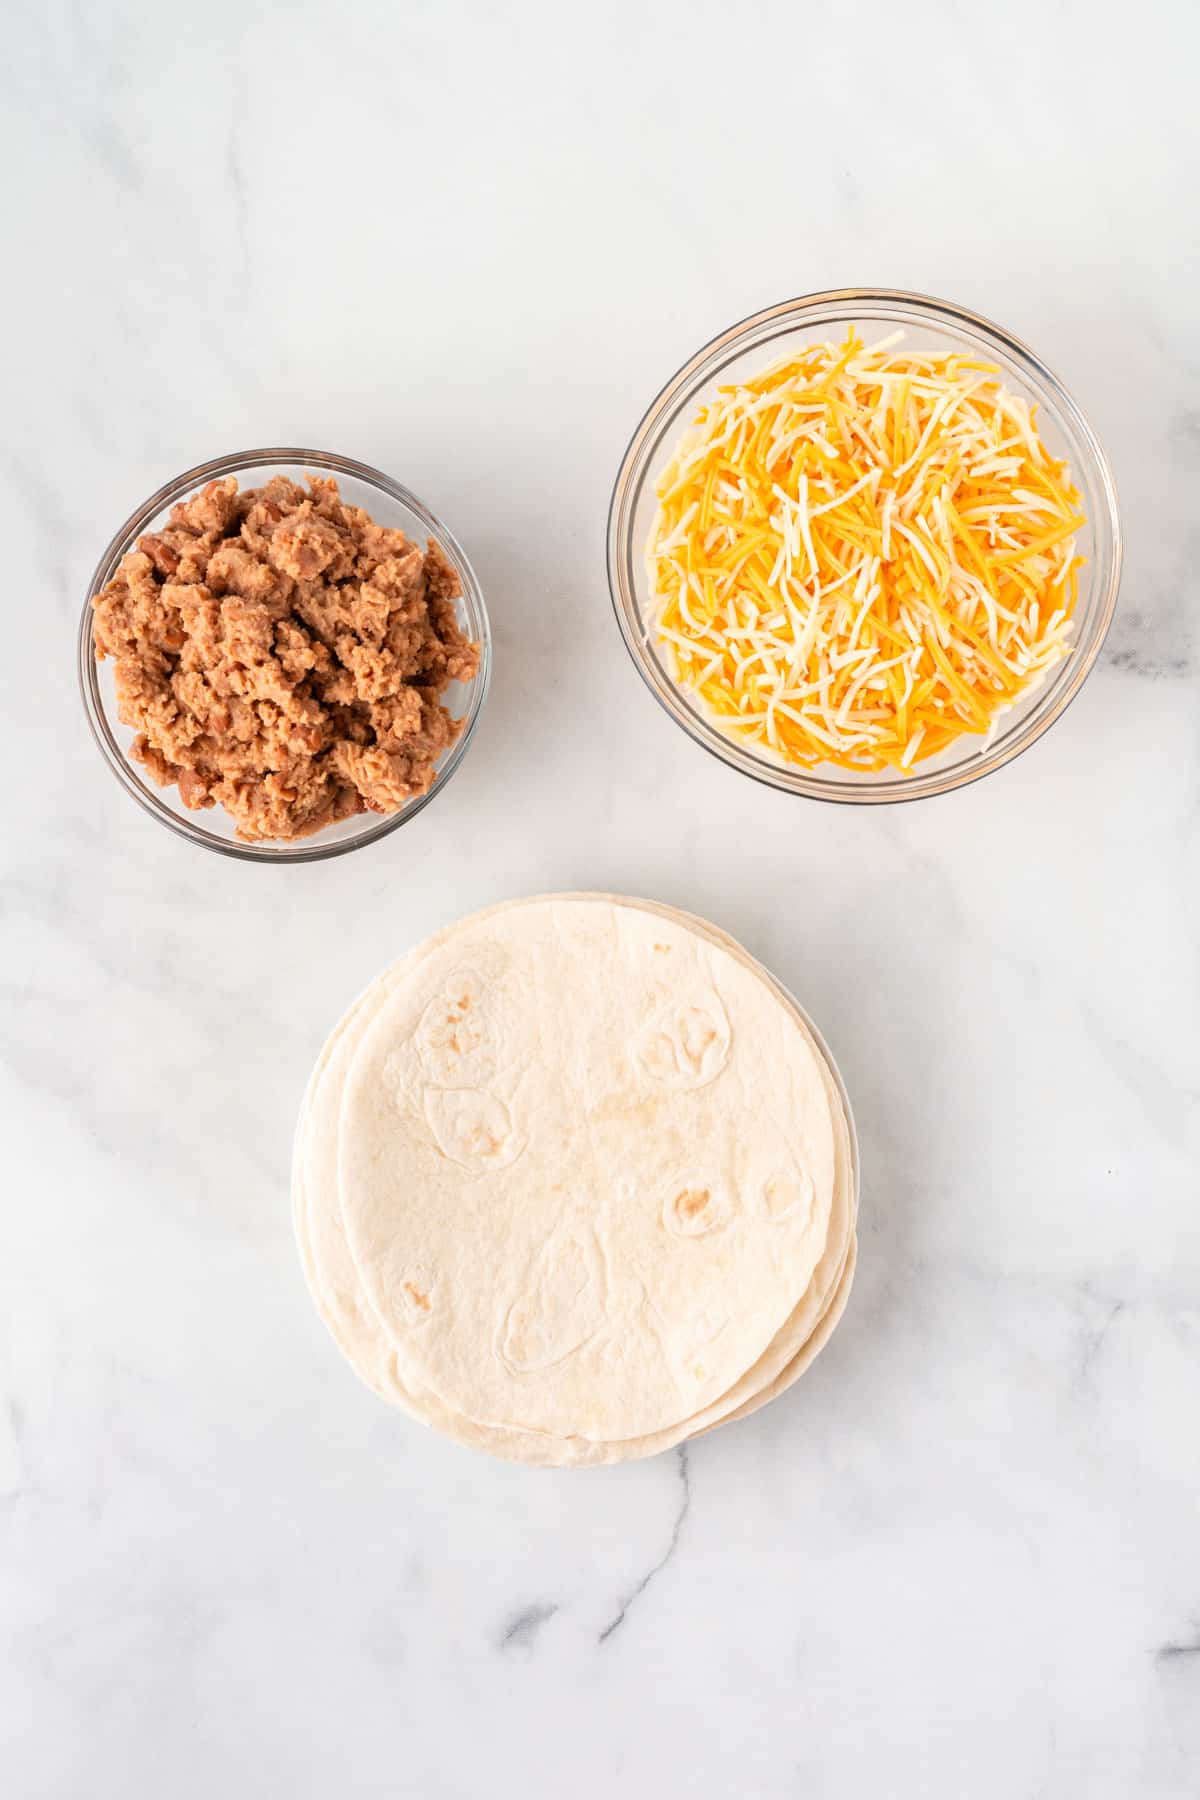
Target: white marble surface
(467, 244)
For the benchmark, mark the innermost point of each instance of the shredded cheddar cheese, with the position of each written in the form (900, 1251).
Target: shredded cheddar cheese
(860, 555)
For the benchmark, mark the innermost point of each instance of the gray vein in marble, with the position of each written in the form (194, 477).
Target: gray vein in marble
(1133, 659)
(1094, 1338)
(639, 1587)
(523, 1627)
(1155, 635)
(1180, 1648)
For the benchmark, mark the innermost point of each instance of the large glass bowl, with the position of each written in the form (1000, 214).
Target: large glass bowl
(389, 504)
(741, 352)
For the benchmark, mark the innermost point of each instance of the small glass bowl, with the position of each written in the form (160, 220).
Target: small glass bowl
(928, 324)
(389, 504)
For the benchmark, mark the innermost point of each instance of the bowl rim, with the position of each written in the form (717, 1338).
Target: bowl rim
(676, 393)
(309, 850)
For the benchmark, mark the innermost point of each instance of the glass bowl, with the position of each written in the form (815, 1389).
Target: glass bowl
(744, 350)
(389, 504)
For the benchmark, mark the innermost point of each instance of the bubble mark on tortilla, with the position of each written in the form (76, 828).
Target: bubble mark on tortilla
(562, 1307)
(788, 1192)
(685, 1045)
(695, 1207)
(472, 1127)
(453, 1039)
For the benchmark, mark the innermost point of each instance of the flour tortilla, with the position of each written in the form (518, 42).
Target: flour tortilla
(585, 1167)
(357, 1331)
(354, 1326)
(478, 1064)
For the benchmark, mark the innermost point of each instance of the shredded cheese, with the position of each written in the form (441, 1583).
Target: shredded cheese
(861, 555)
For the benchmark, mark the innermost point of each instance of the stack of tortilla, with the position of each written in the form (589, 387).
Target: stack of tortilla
(575, 1180)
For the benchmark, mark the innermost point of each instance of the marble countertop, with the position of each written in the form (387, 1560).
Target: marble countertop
(467, 244)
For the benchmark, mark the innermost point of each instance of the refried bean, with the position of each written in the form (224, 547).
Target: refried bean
(281, 655)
